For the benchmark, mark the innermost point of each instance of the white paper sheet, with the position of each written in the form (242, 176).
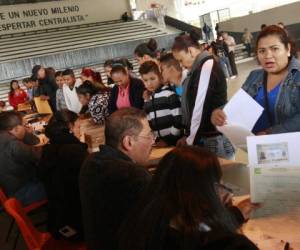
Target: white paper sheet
(236, 134)
(275, 183)
(274, 150)
(243, 110)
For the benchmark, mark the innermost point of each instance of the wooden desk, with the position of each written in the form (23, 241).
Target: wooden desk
(92, 134)
(158, 153)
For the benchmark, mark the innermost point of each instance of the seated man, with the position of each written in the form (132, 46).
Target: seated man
(112, 180)
(18, 159)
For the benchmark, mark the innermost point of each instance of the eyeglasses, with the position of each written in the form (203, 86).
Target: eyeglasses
(151, 136)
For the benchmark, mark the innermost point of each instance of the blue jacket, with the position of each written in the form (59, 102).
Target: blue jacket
(287, 106)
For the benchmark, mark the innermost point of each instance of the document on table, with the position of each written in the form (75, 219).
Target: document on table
(42, 106)
(274, 150)
(242, 112)
(278, 189)
(275, 174)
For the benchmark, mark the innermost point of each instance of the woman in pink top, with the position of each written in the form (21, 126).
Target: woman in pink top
(128, 91)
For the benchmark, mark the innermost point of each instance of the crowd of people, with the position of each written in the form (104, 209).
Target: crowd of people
(177, 101)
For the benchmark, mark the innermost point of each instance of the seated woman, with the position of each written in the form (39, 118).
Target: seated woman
(16, 95)
(95, 99)
(59, 169)
(182, 208)
(128, 91)
(276, 87)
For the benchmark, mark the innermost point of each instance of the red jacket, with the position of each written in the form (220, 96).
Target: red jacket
(15, 99)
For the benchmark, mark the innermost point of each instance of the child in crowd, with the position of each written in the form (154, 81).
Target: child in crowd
(172, 72)
(60, 99)
(162, 106)
(69, 90)
(36, 90)
(108, 67)
(16, 95)
(29, 87)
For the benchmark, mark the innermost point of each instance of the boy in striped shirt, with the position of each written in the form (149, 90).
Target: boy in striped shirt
(162, 106)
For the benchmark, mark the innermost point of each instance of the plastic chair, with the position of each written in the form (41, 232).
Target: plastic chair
(34, 239)
(27, 209)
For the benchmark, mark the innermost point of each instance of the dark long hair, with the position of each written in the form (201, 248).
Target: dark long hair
(146, 49)
(183, 189)
(11, 91)
(184, 41)
(87, 87)
(60, 122)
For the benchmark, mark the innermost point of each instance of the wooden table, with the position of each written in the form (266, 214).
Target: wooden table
(158, 153)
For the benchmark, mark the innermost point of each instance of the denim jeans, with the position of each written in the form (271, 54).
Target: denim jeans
(31, 192)
(219, 145)
(248, 48)
(225, 65)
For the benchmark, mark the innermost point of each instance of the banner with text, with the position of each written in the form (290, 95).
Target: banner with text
(28, 17)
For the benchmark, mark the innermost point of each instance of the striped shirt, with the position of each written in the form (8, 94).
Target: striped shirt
(164, 114)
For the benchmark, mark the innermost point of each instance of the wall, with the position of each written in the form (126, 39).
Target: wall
(288, 14)
(169, 4)
(37, 16)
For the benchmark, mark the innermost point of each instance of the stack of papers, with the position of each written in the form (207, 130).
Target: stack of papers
(274, 166)
(242, 112)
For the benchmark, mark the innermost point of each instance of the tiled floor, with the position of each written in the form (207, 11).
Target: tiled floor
(233, 86)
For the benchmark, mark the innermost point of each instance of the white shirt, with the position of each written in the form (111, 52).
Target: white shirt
(71, 97)
(231, 43)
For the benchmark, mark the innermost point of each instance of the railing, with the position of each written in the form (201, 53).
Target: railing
(180, 25)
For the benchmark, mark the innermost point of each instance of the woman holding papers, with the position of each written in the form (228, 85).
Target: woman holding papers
(199, 102)
(276, 87)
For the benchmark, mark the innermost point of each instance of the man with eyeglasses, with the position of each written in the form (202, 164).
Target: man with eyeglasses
(18, 159)
(113, 179)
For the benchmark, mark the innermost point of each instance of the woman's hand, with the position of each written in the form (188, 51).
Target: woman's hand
(218, 117)
(246, 207)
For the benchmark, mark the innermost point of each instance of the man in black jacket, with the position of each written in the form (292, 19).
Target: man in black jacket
(113, 180)
(18, 159)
